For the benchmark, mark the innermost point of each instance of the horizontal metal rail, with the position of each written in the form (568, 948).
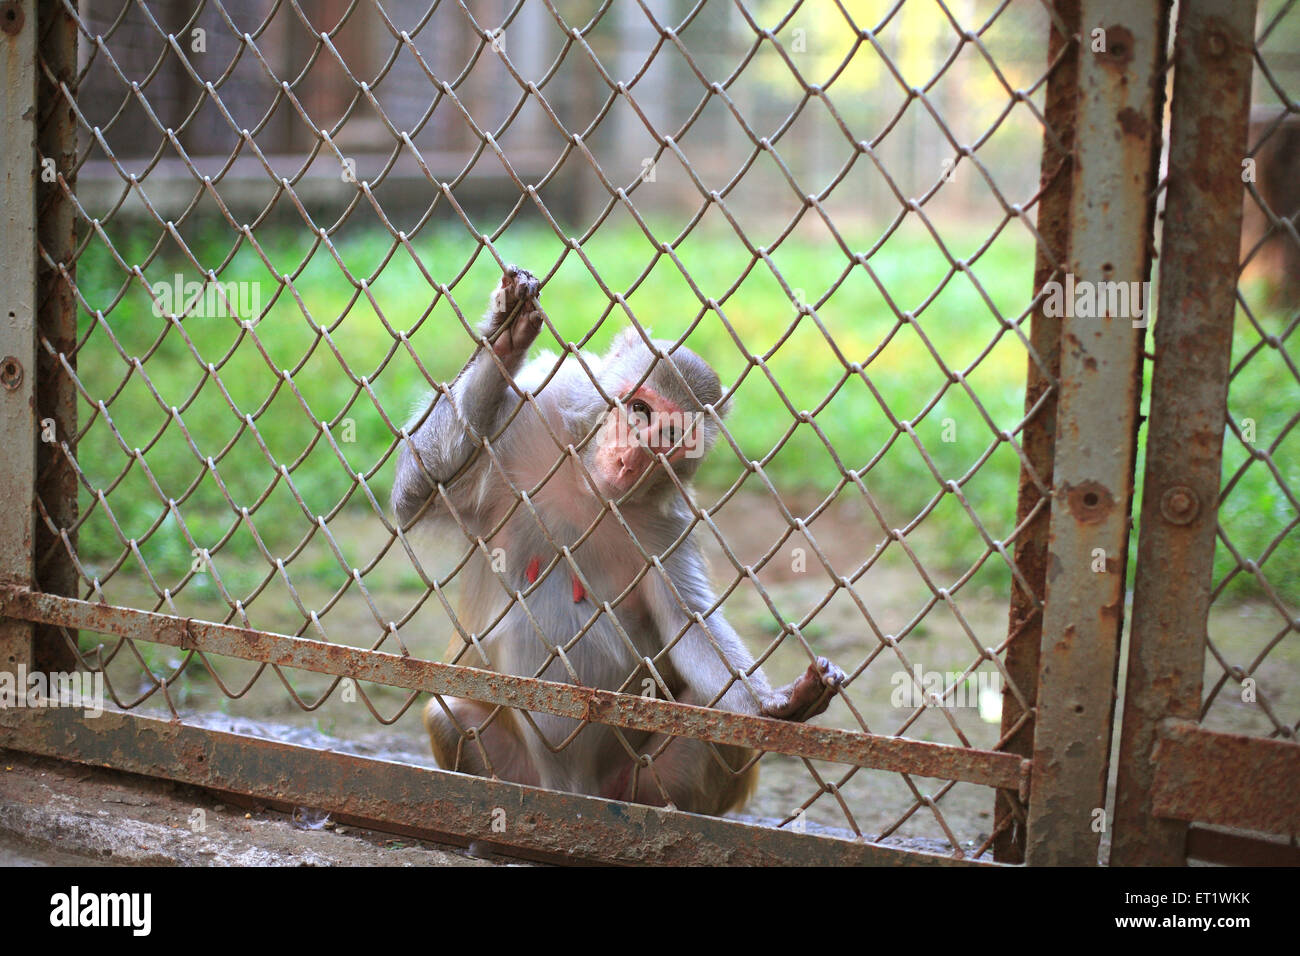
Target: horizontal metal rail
(431, 803)
(1001, 770)
(1230, 779)
(1238, 849)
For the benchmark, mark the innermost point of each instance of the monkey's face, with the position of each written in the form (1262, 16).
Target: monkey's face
(639, 434)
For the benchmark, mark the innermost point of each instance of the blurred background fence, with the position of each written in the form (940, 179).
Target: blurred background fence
(812, 44)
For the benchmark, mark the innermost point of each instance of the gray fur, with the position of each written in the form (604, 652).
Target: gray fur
(447, 448)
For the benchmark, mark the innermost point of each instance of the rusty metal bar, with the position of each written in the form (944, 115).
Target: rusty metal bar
(56, 322)
(1118, 145)
(1236, 849)
(17, 312)
(432, 802)
(1229, 779)
(1189, 389)
(1025, 621)
(623, 710)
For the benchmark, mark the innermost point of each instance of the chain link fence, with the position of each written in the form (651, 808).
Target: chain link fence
(1258, 508)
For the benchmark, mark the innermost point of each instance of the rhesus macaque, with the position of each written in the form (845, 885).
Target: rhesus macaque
(653, 416)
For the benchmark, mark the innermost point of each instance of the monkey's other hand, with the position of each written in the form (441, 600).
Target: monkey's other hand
(808, 696)
(514, 302)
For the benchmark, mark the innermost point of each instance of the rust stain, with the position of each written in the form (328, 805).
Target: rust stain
(11, 372)
(1119, 48)
(1209, 169)
(1217, 41)
(1189, 783)
(1078, 351)
(1133, 123)
(11, 17)
(1089, 501)
(1053, 566)
(1067, 639)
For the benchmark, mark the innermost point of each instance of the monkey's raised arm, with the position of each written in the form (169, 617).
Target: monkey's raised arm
(474, 406)
(707, 665)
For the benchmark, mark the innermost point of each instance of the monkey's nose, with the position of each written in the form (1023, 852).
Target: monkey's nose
(634, 461)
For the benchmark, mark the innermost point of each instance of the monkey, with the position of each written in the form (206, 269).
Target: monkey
(579, 472)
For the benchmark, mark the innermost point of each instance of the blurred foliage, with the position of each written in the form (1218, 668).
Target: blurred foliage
(1258, 515)
(819, 36)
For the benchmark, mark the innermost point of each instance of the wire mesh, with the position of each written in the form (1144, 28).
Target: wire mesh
(1253, 625)
(287, 218)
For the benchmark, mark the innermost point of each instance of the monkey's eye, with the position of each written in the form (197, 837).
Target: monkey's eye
(639, 411)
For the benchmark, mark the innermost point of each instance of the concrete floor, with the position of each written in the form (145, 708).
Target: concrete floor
(61, 814)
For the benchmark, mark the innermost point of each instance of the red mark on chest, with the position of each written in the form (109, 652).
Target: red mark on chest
(535, 568)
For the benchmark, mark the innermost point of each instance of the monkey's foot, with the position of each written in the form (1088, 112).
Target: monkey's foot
(809, 695)
(514, 304)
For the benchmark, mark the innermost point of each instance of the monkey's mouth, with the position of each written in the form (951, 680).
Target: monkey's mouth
(627, 477)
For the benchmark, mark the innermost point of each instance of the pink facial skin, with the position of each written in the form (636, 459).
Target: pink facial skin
(628, 443)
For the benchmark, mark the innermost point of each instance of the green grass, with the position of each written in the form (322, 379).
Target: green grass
(1256, 515)
(780, 363)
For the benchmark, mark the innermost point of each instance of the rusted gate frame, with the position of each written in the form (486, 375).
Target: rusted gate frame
(56, 324)
(1170, 771)
(1235, 849)
(440, 805)
(1118, 123)
(18, 415)
(35, 302)
(1192, 782)
(432, 804)
(581, 703)
(1042, 384)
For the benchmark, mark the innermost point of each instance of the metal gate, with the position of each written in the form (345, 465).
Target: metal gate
(1098, 94)
(1173, 769)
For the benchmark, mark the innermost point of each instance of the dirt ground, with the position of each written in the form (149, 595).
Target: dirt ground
(894, 600)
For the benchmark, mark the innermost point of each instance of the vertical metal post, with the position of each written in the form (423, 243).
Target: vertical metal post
(1025, 621)
(56, 397)
(1189, 390)
(17, 311)
(1118, 143)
